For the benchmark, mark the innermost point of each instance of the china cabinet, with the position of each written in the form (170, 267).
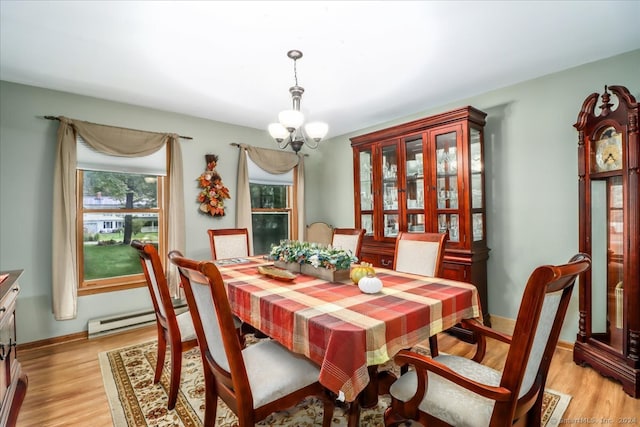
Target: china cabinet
(425, 175)
(609, 216)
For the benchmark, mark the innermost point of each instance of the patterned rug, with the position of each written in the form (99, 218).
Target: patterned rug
(135, 401)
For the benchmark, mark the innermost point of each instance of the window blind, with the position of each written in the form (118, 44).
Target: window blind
(89, 159)
(257, 175)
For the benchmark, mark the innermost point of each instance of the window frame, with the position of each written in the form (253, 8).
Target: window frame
(291, 209)
(119, 283)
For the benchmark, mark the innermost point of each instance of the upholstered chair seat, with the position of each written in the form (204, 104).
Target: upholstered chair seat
(444, 402)
(274, 372)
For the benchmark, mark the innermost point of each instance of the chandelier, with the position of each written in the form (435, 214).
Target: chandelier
(289, 130)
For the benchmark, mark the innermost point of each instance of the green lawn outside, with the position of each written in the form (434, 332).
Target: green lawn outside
(104, 261)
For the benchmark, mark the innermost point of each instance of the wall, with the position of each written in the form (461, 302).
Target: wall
(531, 172)
(27, 152)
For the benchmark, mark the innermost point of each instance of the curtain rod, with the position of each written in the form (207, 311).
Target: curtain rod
(58, 119)
(235, 144)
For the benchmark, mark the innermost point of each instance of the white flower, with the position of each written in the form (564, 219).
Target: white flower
(314, 260)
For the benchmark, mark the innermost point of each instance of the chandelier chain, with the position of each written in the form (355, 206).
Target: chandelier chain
(295, 71)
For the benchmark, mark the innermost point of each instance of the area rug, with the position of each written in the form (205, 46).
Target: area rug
(135, 401)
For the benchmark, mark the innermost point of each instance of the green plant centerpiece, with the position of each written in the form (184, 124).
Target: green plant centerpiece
(326, 262)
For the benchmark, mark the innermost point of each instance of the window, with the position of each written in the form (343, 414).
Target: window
(270, 215)
(273, 217)
(118, 204)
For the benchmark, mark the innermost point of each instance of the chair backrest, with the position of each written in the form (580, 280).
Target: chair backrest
(319, 232)
(420, 253)
(542, 311)
(213, 321)
(156, 281)
(229, 242)
(348, 239)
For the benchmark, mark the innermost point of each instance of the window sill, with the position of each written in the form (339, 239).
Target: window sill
(99, 289)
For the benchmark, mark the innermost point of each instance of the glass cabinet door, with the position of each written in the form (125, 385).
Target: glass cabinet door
(366, 190)
(414, 179)
(607, 254)
(447, 160)
(477, 184)
(390, 190)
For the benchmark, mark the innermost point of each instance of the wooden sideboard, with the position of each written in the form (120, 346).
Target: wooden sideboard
(13, 381)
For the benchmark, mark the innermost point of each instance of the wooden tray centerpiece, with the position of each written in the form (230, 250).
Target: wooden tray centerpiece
(313, 259)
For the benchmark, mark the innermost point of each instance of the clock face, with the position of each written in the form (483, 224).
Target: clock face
(608, 151)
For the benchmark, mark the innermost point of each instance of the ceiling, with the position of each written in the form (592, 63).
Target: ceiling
(365, 62)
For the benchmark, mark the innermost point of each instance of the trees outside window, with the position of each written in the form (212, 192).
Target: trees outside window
(271, 213)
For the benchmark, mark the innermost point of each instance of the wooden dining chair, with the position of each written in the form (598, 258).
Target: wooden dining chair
(319, 232)
(177, 330)
(456, 391)
(229, 243)
(254, 381)
(421, 253)
(233, 243)
(348, 239)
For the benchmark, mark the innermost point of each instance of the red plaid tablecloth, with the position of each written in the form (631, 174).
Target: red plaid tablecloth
(342, 329)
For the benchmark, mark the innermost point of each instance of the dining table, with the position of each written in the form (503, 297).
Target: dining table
(346, 332)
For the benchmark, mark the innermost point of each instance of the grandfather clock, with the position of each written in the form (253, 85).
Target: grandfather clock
(609, 207)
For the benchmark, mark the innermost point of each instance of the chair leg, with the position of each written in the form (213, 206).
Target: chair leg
(176, 368)
(433, 345)
(392, 419)
(534, 416)
(162, 349)
(210, 401)
(240, 337)
(353, 417)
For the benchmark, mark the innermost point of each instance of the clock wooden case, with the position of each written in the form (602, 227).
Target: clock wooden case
(426, 175)
(609, 230)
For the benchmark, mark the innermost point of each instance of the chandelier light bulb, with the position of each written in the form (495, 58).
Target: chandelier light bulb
(291, 119)
(316, 130)
(278, 132)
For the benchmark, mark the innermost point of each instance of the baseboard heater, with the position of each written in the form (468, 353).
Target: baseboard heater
(126, 321)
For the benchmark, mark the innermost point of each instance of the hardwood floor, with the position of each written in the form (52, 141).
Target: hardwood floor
(66, 389)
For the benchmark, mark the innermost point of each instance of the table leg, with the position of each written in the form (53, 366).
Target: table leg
(369, 396)
(379, 384)
(353, 417)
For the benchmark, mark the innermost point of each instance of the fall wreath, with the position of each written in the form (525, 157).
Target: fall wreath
(213, 192)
